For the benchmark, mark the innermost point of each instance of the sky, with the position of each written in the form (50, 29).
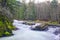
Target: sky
(36, 1)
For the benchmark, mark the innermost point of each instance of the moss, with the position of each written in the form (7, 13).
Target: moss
(53, 22)
(6, 26)
(11, 27)
(37, 20)
(7, 33)
(0, 34)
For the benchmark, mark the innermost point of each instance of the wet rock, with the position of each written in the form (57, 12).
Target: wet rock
(57, 31)
(29, 23)
(16, 29)
(37, 28)
(41, 27)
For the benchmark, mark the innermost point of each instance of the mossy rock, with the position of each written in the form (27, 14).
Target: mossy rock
(41, 27)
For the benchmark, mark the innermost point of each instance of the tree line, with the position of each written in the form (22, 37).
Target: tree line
(40, 11)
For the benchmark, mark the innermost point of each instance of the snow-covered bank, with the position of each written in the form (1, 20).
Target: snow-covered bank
(25, 33)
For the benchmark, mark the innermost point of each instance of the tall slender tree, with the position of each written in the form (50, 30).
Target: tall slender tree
(54, 5)
(31, 10)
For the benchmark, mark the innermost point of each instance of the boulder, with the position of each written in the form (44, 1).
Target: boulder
(40, 27)
(57, 31)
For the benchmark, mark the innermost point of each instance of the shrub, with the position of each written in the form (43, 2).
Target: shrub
(0, 34)
(7, 33)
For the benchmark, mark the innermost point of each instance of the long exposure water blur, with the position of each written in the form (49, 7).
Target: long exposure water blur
(25, 33)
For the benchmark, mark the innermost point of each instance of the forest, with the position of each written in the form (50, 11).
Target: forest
(10, 10)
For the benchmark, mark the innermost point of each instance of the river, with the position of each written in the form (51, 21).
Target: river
(25, 33)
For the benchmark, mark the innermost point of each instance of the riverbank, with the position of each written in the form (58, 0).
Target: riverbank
(43, 22)
(41, 25)
(24, 30)
(25, 33)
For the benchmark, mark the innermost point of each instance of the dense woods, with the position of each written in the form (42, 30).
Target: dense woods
(6, 26)
(37, 11)
(32, 11)
(13, 9)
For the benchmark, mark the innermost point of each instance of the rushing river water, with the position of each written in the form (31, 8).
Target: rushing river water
(25, 33)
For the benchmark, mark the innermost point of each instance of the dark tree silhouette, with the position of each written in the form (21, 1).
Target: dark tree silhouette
(3, 3)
